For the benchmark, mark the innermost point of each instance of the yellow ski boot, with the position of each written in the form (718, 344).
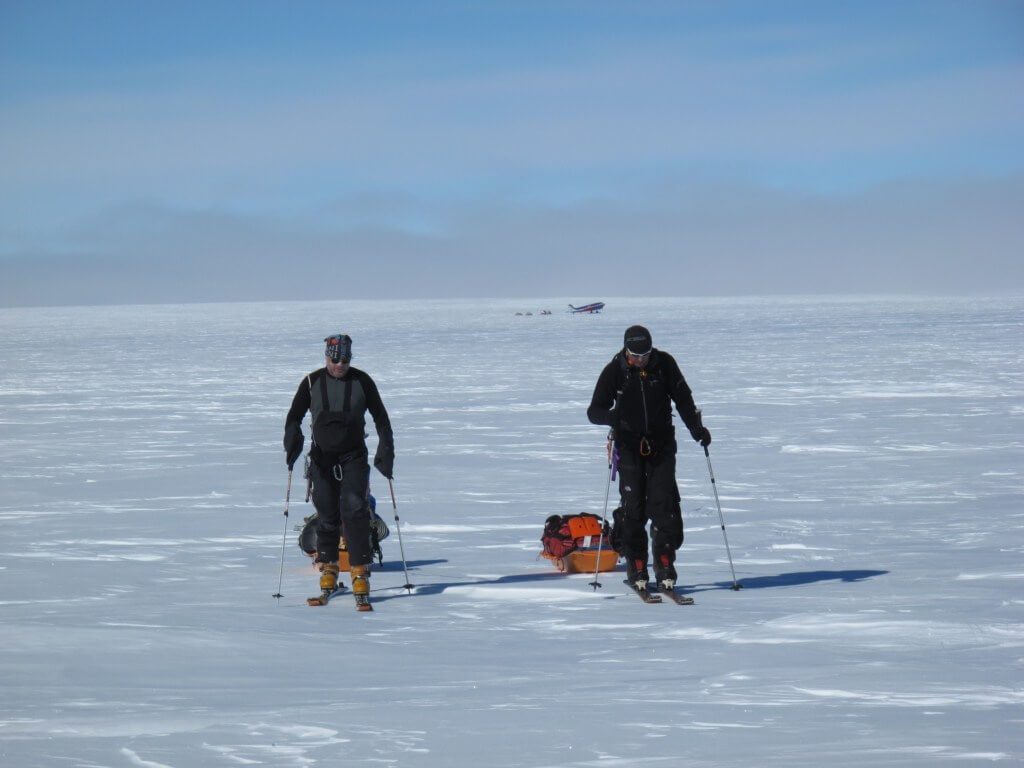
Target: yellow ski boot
(328, 584)
(361, 587)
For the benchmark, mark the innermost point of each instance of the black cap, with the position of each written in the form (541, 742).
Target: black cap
(638, 340)
(339, 347)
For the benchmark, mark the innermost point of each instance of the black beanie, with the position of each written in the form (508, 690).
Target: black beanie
(638, 340)
(339, 347)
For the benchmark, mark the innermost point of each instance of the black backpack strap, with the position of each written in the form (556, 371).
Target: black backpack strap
(323, 392)
(346, 403)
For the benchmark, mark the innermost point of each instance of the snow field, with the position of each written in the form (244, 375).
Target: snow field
(868, 454)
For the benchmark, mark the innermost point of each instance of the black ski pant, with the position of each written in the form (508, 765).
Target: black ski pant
(339, 495)
(647, 486)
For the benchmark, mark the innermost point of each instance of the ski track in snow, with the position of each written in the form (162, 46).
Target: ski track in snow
(867, 452)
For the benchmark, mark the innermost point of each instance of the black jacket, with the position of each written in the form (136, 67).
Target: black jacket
(637, 402)
(338, 408)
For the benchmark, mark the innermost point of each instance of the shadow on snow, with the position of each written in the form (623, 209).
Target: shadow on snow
(612, 578)
(436, 588)
(795, 579)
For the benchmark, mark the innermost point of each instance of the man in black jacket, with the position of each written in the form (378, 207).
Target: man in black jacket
(634, 396)
(337, 397)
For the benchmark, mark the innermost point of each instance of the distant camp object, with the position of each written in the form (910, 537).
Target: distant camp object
(587, 309)
(572, 543)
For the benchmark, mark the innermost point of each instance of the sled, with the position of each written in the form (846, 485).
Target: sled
(589, 556)
(378, 532)
(343, 563)
(585, 560)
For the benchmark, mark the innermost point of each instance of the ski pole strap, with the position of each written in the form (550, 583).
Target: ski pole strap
(323, 392)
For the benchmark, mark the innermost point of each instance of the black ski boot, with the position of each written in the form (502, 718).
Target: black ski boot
(665, 571)
(636, 572)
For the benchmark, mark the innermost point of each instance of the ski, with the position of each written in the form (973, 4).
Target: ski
(645, 595)
(677, 598)
(363, 603)
(325, 596)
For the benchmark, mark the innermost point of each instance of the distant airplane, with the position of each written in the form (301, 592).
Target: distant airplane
(589, 309)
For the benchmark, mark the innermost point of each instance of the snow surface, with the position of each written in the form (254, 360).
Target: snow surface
(869, 458)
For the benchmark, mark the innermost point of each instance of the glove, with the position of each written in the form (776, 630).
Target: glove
(702, 435)
(385, 464)
(293, 443)
(384, 458)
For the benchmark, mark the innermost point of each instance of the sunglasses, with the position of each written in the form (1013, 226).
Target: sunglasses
(635, 356)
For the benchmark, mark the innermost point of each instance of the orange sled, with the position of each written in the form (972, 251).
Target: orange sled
(585, 560)
(343, 564)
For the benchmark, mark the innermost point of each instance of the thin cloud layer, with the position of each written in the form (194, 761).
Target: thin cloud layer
(913, 237)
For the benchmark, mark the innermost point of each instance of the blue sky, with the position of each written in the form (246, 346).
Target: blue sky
(175, 151)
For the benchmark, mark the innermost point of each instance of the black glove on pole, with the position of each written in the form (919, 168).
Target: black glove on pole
(293, 448)
(385, 464)
(700, 433)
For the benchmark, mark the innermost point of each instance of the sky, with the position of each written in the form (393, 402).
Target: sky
(213, 151)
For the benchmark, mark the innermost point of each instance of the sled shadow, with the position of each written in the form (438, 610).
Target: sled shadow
(795, 579)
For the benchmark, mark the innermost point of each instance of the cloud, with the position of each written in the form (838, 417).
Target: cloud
(388, 120)
(923, 237)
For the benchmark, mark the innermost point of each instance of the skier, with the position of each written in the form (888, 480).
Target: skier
(338, 397)
(634, 396)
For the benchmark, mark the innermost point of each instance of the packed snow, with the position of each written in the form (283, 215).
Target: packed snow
(869, 455)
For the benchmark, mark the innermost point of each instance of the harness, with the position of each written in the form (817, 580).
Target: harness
(646, 447)
(331, 428)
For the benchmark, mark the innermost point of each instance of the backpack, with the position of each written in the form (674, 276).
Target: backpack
(378, 532)
(567, 533)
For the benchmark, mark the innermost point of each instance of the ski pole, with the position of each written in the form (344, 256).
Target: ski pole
(612, 462)
(735, 584)
(284, 537)
(398, 528)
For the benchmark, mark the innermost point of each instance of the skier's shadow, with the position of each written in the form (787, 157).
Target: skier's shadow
(795, 579)
(436, 588)
(392, 566)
